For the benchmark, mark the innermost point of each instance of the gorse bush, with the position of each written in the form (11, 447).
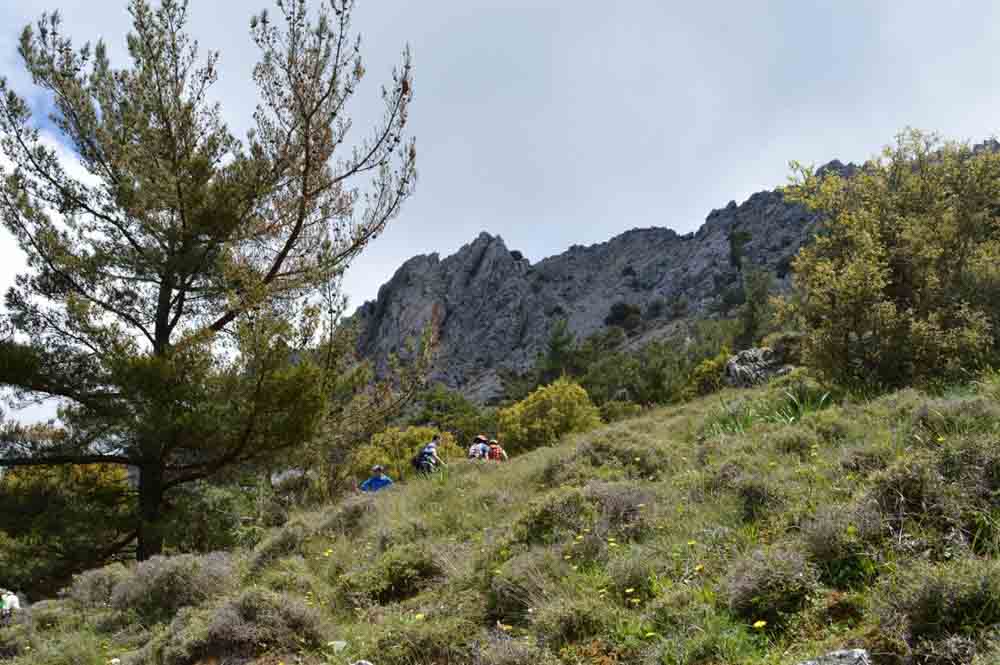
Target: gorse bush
(546, 415)
(901, 285)
(162, 585)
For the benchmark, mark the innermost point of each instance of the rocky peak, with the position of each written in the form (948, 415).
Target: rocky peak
(495, 309)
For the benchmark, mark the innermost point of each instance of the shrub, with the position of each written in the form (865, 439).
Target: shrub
(621, 509)
(546, 415)
(394, 447)
(624, 315)
(74, 648)
(504, 650)
(286, 540)
(932, 602)
(524, 582)
(633, 576)
(758, 497)
(93, 589)
(564, 619)
(399, 573)
(347, 517)
(936, 420)
(914, 490)
(162, 585)
(770, 584)
(707, 376)
(547, 519)
(835, 543)
(616, 410)
(241, 627)
(441, 640)
(900, 284)
(796, 440)
(787, 346)
(716, 639)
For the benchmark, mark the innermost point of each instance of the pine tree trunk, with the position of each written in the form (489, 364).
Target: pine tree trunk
(150, 500)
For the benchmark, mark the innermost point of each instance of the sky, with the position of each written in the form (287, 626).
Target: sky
(560, 123)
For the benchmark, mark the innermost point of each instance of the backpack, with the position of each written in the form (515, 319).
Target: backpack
(495, 453)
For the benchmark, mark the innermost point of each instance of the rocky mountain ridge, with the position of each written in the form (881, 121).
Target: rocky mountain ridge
(495, 309)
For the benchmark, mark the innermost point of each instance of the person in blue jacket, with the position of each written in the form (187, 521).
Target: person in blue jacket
(378, 480)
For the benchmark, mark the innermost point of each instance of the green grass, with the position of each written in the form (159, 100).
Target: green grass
(764, 526)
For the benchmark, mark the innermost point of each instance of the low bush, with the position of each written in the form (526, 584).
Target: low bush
(565, 619)
(441, 640)
(621, 509)
(348, 515)
(162, 585)
(913, 491)
(835, 543)
(634, 577)
(70, 648)
(559, 513)
(546, 415)
(54, 616)
(399, 573)
(796, 440)
(932, 602)
(758, 497)
(240, 627)
(615, 410)
(718, 638)
(936, 420)
(524, 582)
(769, 584)
(638, 461)
(283, 542)
(707, 376)
(93, 588)
(502, 649)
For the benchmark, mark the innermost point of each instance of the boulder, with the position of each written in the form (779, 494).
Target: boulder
(753, 367)
(844, 657)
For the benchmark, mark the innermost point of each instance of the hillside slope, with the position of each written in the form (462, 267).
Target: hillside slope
(496, 310)
(764, 526)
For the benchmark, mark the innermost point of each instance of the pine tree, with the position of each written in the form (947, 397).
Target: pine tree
(171, 299)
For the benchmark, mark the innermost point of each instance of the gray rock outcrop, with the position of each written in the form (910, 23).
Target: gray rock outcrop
(753, 367)
(495, 309)
(845, 657)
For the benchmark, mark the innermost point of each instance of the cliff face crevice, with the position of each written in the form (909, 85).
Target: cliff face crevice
(496, 309)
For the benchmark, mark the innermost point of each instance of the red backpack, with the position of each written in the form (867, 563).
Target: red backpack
(496, 453)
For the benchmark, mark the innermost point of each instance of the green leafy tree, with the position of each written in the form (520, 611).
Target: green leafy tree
(450, 411)
(170, 302)
(901, 285)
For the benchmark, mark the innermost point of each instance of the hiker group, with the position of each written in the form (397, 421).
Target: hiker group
(427, 460)
(487, 450)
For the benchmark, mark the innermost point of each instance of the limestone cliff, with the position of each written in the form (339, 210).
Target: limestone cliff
(495, 309)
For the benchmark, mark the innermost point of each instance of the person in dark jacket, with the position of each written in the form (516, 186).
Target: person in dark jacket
(378, 481)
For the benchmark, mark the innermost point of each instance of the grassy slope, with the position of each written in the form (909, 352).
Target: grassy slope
(634, 543)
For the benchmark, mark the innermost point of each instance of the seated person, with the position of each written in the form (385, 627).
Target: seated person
(378, 480)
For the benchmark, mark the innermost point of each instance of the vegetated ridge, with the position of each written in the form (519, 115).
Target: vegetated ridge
(495, 309)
